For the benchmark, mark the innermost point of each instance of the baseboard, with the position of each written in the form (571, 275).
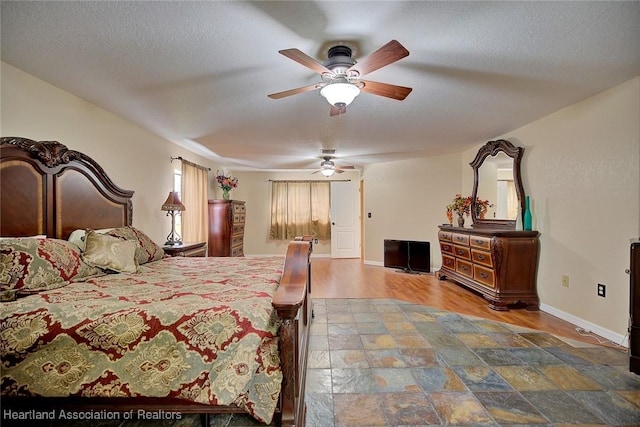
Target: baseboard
(272, 255)
(622, 340)
(376, 263)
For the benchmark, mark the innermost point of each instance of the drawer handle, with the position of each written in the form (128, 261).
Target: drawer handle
(459, 239)
(479, 242)
(484, 275)
(463, 267)
(481, 257)
(460, 252)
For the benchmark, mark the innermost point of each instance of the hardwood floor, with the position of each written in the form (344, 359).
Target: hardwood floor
(350, 278)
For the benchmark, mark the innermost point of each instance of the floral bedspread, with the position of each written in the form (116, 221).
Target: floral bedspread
(199, 329)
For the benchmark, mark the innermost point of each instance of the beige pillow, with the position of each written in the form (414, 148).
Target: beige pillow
(77, 236)
(110, 252)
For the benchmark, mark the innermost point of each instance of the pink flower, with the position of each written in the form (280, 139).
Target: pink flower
(226, 182)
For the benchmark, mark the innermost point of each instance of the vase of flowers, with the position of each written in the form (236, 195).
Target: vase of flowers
(461, 206)
(226, 183)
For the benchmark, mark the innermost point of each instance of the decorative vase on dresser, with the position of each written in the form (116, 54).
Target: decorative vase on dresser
(226, 227)
(499, 264)
(527, 215)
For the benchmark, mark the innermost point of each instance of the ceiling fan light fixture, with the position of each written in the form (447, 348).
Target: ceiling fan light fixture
(340, 94)
(327, 172)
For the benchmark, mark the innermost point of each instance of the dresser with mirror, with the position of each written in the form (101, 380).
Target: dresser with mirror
(492, 257)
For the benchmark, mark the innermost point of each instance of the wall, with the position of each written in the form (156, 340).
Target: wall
(134, 158)
(255, 189)
(581, 168)
(407, 200)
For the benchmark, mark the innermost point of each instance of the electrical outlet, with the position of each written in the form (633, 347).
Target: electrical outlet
(565, 280)
(315, 241)
(602, 290)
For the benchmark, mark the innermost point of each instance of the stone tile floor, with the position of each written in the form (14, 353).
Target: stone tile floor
(390, 363)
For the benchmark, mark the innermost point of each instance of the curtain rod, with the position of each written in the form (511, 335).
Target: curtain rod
(309, 180)
(194, 164)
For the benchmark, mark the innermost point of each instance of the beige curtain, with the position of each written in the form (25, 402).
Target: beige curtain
(195, 217)
(512, 200)
(300, 208)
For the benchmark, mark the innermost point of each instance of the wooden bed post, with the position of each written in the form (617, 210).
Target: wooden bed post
(293, 305)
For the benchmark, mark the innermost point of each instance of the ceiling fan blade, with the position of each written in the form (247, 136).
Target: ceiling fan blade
(387, 54)
(345, 167)
(304, 59)
(335, 111)
(294, 91)
(385, 89)
(338, 170)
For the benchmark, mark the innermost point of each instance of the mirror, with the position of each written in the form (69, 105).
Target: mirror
(496, 179)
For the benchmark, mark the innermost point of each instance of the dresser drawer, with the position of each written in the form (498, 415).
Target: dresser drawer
(462, 252)
(444, 235)
(237, 240)
(239, 209)
(464, 267)
(481, 257)
(238, 228)
(480, 242)
(238, 218)
(460, 239)
(484, 275)
(237, 251)
(448, 262)
(446, 248)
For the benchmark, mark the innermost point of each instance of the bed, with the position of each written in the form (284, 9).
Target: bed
(108, 323)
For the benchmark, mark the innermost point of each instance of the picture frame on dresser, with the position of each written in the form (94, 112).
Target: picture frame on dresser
(492, 258)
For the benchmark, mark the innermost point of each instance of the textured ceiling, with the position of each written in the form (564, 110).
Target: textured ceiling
(198, 73)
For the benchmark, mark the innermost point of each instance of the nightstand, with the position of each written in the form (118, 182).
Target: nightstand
(186, 249)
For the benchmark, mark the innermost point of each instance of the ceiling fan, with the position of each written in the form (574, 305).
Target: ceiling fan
(341, 75)
(327, 165)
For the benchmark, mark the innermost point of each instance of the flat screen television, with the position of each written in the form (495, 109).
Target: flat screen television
(407, 255)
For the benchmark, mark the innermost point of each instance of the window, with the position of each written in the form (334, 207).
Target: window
(300, 208)
(177, 186)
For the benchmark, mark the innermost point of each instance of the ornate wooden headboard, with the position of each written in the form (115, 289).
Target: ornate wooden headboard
(45, 188)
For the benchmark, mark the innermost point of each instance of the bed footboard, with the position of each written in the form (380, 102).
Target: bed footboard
(293, 304)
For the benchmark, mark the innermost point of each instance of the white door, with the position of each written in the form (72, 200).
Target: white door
(345, 216)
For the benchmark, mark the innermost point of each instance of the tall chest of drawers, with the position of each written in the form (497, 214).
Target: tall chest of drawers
(501, 265)
(226, 227)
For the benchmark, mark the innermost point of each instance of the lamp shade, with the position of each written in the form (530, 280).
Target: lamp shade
(340, 94)
(173, 202)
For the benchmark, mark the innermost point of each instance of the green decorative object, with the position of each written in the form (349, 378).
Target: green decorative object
(527, 215)
(225, 194)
